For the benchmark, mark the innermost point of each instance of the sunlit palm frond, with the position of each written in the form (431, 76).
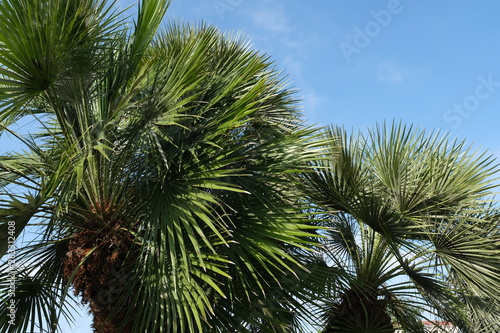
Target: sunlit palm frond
(167, 169)
(410, 204)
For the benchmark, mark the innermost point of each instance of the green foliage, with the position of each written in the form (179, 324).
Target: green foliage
(411, 228)
(186, 140)
(174, 181)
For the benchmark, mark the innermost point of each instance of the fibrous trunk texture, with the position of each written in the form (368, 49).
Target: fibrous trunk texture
(359, 312)
(98, 265)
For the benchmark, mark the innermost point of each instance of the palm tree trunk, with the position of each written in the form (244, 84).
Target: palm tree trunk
(361, 313)
(95, 264)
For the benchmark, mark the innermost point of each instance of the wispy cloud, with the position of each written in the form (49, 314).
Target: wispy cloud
(273, 27)
(293, 66)
(388, 72)
(272, 19)
(311, 102)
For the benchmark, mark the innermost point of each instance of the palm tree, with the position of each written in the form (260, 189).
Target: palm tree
(161, 184)
(367, 290)
(410, 231)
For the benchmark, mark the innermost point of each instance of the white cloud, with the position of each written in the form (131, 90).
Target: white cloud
(293, 66)
(272, 19)
(388, 72)
(304, 44)
(311, 102)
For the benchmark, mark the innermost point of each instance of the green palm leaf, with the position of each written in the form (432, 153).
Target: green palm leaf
(164, 178)
(427, 237)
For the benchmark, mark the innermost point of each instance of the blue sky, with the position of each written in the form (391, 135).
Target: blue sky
(432, 64)
(355, 63)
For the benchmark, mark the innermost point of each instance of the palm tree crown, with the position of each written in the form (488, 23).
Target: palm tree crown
(411, 231)
(173, 187)
(162, 179)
